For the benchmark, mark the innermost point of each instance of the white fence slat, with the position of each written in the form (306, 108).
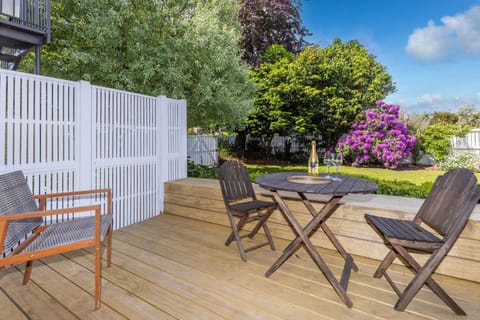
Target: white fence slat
(3, 114)
(9, 121)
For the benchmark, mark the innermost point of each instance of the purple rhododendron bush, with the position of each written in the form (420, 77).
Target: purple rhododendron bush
(380, 138)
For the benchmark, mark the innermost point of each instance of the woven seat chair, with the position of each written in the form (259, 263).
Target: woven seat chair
(25, 237)
(241, 202)
(446, 212)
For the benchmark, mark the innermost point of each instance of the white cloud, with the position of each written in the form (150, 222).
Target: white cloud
(430, 99)
(455, 34)
(434, 102)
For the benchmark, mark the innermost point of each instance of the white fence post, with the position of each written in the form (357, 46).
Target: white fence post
(162, 149)
(182, 106)
(3, 118)
(85, 137)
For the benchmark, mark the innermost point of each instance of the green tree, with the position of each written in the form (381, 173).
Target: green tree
(268, 22)
(416, 123)
(444, 117)
(318, 92)
(468, 116)
(435, 138)
(178, 48)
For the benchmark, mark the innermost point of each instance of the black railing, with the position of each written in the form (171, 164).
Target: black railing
(33, 14)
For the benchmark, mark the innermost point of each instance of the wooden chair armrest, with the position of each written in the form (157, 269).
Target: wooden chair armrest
(43, 197)
(37, 214)
(73, 193)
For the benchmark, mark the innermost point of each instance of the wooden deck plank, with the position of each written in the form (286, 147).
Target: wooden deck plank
(319, 294)
(185, 293)
(172, 267)
(8, 309)
(173, 302)
(230, 281)
(122, 301)
(426, 298)
(66, 292)
(30, 300)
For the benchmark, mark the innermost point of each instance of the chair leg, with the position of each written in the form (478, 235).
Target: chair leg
(386, 262)
(262, 219)
(269, 236)
(109, 246)
(28, 272)
(236, 234)
(423, 276)
(98, 271)
(238, 226)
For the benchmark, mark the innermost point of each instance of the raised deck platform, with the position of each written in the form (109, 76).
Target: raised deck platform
(172, 267)
(202, 199)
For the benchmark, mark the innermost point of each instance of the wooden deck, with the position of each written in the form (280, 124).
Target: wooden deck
(171, 267)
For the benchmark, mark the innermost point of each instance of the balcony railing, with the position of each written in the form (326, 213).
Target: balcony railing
(31, 14)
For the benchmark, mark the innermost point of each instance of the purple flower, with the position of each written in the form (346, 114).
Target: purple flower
(380, 137)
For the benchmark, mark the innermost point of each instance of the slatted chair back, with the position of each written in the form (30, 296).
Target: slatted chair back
(235, 182)
(450, 202)
(16, 197)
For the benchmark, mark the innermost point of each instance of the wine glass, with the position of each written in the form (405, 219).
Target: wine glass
(327, 160)
(337, 161)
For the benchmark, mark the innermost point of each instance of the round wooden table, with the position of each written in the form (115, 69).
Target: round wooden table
(337, 187)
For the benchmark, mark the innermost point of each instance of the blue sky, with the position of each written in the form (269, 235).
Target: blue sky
(431, 48)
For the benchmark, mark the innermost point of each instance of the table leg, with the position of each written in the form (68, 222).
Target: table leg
(324, 226)
(295, 244)
(303, 236)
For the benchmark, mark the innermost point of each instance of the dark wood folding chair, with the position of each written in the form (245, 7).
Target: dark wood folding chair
(242, 203)
(446, 211)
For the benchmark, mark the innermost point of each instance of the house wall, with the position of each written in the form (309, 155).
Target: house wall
(201, 199)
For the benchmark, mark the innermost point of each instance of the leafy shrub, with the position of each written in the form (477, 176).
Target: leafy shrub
(378, 138)
(436, 138)
(404, 189)
(199, 171)
(400, 188)
(226, 150)
(468, 160)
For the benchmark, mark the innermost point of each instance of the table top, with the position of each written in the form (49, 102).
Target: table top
(279, 181)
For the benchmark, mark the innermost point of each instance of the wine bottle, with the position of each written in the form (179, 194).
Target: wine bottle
(313, 160)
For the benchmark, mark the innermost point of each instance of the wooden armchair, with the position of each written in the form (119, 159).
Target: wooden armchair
(241, 202)
(445, 211)
(24, 237)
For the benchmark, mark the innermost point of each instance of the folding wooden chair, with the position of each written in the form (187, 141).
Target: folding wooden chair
(25, 237)
(446, 211)
(242, 203)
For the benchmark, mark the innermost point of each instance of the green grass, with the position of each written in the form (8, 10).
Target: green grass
(407, 183)
(417, 176)
(415, 183)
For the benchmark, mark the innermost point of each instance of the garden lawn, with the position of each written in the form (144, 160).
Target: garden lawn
(415, 176)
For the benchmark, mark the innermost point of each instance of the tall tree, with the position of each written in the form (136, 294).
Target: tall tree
(178, 48)
(319, 92)
(267, 22)
(469, 116)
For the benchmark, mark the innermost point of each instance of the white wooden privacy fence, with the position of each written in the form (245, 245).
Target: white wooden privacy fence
(469, 143)
(203, 149)
(69, 136)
